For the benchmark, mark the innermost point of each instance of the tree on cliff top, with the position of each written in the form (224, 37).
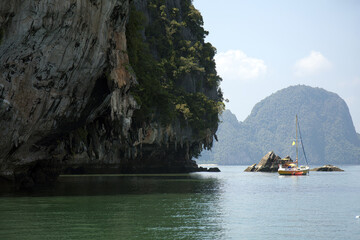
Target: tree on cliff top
(174, 66)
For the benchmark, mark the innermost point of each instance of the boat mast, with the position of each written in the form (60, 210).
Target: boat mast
(297, 142)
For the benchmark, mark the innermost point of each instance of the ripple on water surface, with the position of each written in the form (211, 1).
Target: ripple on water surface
(227, 205)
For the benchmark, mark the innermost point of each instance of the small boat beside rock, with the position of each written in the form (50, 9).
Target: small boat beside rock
(284, 166)
(288, 167)
(292, 168)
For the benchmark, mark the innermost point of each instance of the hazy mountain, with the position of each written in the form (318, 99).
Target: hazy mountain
(326, 126)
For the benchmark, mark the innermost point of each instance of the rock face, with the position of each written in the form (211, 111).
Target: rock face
(327, 168)
(65, 96)
(251, 168)
(269, 163)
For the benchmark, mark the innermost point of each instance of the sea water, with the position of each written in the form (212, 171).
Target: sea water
(231, 204)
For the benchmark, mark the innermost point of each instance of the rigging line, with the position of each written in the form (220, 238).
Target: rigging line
(302, 144)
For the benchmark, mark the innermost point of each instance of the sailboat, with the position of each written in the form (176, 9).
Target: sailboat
(287, 166)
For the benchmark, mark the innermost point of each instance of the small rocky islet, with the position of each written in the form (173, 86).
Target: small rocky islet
(328, 168)
(268, 163)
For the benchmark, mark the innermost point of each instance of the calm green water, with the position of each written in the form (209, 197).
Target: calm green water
(227, 205)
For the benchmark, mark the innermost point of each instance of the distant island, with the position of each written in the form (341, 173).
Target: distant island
(327, 129)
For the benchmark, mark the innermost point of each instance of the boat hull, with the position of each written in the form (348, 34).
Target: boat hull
(293, 172)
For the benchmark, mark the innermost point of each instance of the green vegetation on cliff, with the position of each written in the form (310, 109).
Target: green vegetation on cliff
(327, 129)
(175, 68)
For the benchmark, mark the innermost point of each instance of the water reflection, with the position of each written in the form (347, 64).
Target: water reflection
(117, 207)
(93, 185)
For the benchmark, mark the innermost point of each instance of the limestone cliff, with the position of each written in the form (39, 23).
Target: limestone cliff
(68, 90)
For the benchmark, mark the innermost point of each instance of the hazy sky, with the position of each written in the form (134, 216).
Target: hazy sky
(264, 46)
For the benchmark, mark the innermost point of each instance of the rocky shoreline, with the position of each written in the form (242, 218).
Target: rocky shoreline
(328, 168)
(270, 163)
